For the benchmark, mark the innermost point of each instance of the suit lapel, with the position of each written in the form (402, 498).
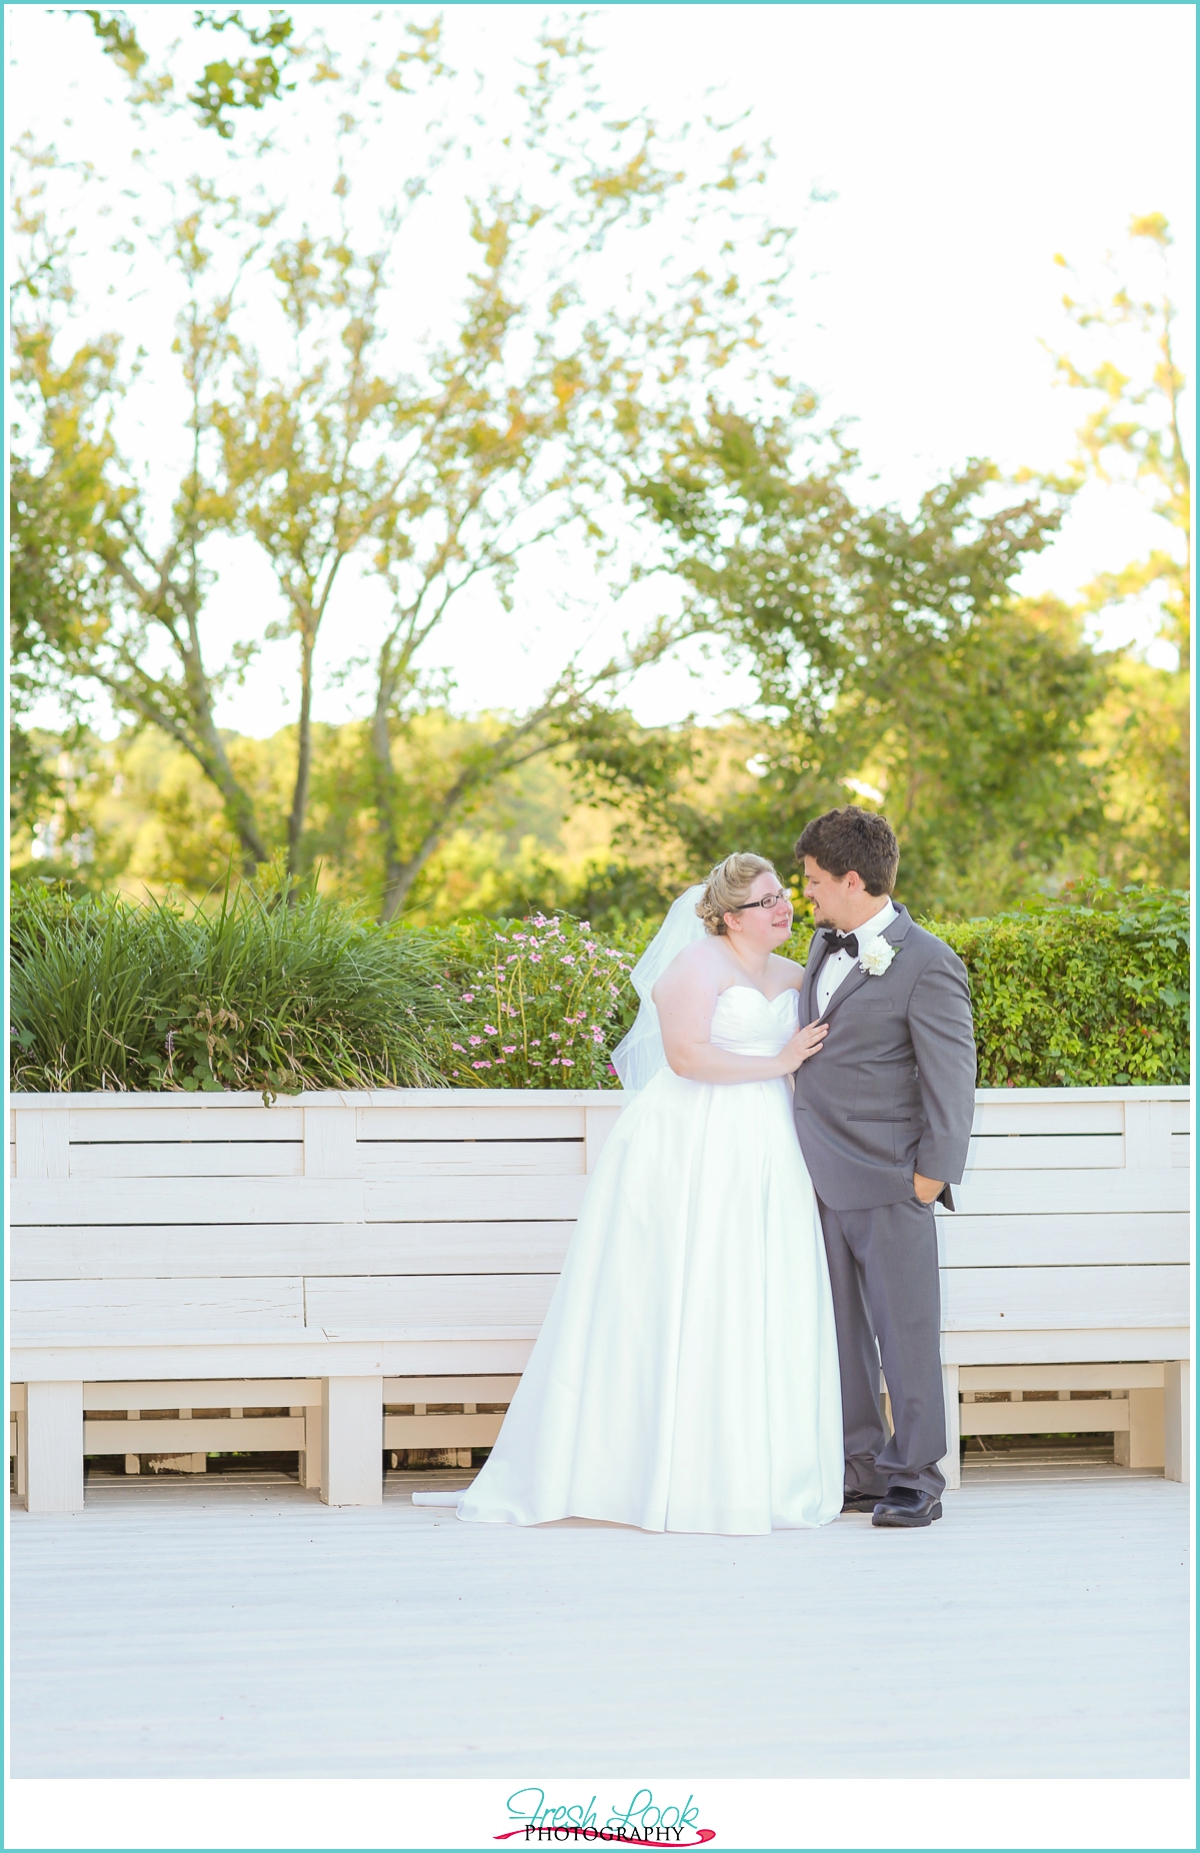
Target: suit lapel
(855, 979)
(818, 952)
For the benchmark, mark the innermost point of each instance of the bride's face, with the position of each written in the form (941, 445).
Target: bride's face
(761, 929)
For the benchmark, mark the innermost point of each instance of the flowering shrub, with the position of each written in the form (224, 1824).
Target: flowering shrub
(540, 1003)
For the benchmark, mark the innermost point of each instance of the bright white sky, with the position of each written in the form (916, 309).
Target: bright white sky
(965, 145)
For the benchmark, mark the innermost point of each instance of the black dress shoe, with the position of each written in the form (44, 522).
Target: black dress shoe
(861, 1502)
(905, 1506)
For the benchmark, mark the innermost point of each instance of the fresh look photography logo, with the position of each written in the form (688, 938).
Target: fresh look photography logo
(645, 1822)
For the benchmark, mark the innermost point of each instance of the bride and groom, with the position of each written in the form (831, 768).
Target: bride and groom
(749, 1250)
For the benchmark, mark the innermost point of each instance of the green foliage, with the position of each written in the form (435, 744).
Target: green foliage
(244, 83)
(1087, 991)
(894, 661)
(224, 86)
(273, 990)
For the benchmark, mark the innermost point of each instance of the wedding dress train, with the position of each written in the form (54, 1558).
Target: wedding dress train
(686, 1375)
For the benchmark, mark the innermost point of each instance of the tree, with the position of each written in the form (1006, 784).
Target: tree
(55, 499)
(142, 641)
(1135, 435)
(1141, 734)
(893, 661)
(433, 475)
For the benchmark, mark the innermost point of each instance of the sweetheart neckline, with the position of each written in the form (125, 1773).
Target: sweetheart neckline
(791, 989)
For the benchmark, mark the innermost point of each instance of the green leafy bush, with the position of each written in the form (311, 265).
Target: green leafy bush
(257, 994)
(1087, 991)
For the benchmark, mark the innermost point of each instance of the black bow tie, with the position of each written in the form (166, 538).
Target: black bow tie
(841, 942)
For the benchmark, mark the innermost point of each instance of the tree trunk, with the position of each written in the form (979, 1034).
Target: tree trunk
(400, 876)
(303, 753)
(239, 809)
(203, 741)
(385, 803)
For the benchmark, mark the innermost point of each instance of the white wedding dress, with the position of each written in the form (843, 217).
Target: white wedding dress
(686, 1375)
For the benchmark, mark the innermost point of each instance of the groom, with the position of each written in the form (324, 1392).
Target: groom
(883, 1115)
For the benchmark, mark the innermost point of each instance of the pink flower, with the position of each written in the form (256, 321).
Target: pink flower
(474, 1041)
(554, 1036)
(510, 1048)
(481, 1064)
(468, 997)
(566, 1063)
(459, 1047)
(597, 1035)
(489, 1029)
(535, 958)
(568, 958)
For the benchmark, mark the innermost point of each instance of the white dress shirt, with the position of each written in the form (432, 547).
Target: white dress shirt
(838, 964)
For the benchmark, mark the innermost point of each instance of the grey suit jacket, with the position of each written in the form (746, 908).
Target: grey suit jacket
(892, 1090)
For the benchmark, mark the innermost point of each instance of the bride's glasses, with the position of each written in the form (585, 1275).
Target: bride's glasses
(768, 900)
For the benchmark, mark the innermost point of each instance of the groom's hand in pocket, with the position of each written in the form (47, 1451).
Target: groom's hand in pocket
(928, 1189)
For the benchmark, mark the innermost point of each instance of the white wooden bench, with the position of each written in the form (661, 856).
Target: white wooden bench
(372, 1269)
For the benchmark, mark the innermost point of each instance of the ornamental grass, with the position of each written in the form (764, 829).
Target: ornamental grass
(268, 991)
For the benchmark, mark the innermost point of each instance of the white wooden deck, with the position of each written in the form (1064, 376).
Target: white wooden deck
(208, 1629)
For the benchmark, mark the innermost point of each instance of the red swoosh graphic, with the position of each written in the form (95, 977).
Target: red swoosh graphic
(704, 1834)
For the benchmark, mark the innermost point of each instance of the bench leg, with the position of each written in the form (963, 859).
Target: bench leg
(20, 1451)
(1177, 1420)
(951, 1466)
(1141, 1444)
(311, 1454)
(54, 1433)
(352, 1441)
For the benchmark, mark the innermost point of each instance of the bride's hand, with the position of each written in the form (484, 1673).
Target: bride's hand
(804, 1043)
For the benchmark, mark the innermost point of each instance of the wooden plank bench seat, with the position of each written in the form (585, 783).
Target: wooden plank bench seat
(373, 1269)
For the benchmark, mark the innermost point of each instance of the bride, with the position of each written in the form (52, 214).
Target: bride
(686, 1375)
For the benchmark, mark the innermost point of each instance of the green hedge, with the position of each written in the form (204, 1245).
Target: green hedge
(1080, 993)
(1090, 991)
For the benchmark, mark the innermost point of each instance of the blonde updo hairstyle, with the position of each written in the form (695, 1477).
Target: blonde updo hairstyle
(728, 886)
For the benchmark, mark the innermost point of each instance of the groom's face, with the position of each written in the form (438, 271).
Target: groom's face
(834, 899)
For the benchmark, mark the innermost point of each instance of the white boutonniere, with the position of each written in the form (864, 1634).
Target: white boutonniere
(876, 958)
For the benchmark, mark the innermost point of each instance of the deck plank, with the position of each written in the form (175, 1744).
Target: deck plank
(201, 1630)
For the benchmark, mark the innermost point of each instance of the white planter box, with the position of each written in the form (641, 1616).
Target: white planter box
(348, 1239)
